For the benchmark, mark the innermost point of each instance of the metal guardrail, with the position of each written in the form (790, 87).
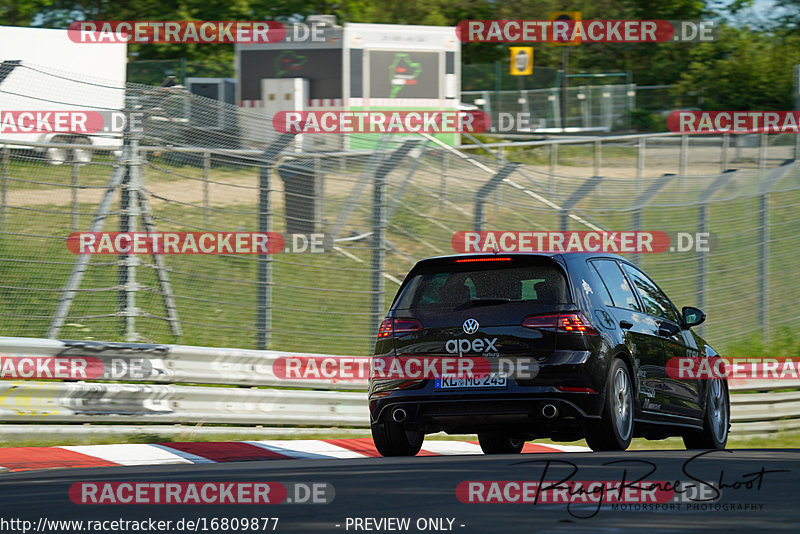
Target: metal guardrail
(176, 363)
(156, 392)
(764, 406)
(116, 388)
(156, 403)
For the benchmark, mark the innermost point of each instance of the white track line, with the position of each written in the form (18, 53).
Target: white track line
(566, 448)
(130, 454)
(448, 448)
(307, 448)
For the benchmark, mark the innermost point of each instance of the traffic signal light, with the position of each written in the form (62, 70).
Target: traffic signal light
(521, 60)
(569, 16)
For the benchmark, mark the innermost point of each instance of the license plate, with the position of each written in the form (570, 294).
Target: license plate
(493, 380)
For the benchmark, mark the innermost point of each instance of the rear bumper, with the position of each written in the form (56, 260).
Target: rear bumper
(473, 411)
(518, 405)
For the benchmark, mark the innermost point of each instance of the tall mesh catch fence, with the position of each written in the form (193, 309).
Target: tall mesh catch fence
(198, 165)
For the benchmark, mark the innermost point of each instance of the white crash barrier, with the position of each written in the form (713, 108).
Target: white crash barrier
(137, 362)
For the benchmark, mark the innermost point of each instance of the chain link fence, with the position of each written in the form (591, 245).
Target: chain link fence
(202, 166)
(604, 108)
(600, 108)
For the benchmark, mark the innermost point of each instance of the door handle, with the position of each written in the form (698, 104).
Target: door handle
(625, 324)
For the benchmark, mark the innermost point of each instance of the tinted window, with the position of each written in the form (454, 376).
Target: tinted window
(620, 291)
(541, 284)
(655, 301)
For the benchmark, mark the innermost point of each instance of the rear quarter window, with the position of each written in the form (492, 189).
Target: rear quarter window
(617, 288)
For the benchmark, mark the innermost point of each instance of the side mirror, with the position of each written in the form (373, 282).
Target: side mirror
(692, 316)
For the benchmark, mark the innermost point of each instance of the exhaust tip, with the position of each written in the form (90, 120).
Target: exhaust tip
(549, 411)
(399, 415)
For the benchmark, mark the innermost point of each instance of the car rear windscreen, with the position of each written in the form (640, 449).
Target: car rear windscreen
(457, 285)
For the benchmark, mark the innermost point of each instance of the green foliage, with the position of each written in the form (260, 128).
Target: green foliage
(785, 344)
(643, 121)
(745, 69)
(20, 13)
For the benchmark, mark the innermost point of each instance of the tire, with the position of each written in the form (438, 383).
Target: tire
(614, 430)
(499, 443)
(716, 419)
(393, 439)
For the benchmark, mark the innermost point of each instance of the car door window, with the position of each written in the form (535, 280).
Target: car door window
(655, 301)
(615, 283)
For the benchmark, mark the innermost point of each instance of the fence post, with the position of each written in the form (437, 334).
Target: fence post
(206, 200)
(4, 187)
(702, 227)
(586, 112)
(702, 263)
(555, 99)
(640, 155)
(797, 146)
(319, 194)
(486, 189)
(379, 210)
(264, 275)
(579, 194)
(641, 202)
(763, 258)
(443, 180)
(684, 158)
(608, 111)
(765, 184)
(726, 143)
(597, 155)
(378, 244)
(631, 93)
(553, 165)
(75, 209)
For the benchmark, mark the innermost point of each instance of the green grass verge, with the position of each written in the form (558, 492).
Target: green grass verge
(321, 302)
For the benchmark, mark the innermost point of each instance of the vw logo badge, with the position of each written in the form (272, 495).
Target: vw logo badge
(470, 326)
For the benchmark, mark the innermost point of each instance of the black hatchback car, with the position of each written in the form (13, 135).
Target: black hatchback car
(599, 330)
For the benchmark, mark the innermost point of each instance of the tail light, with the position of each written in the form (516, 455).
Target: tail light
(570, 389)
(575, 323)
(567, 323)
(394, 327)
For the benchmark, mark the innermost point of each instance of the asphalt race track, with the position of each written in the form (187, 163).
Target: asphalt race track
(425, 487)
